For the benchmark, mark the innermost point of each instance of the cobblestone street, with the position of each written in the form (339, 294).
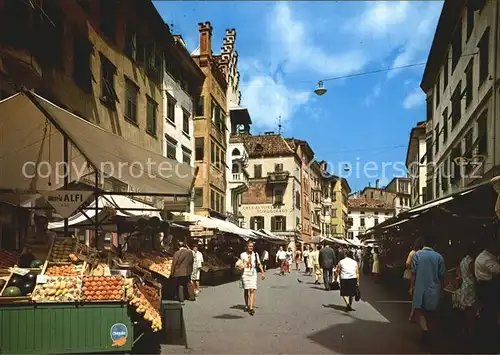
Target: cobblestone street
(297, 317)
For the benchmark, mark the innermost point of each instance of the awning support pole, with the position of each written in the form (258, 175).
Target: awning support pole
(66, 177)
(96, 227)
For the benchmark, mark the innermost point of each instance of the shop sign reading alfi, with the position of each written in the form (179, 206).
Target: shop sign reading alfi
(265, 209)
(65, 202)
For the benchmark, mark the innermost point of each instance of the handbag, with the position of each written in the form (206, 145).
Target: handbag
(407, 274)
(357, 297)
(334, 286)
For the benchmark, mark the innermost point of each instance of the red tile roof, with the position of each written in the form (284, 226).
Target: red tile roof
(267, 145)
(368, 203)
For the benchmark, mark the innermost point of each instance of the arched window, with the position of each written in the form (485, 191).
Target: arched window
(236, 151)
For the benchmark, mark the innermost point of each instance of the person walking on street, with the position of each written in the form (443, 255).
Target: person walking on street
(182, 268)
(487, 272)
(281, 260)
(464, 299)
(367, 254)
(265, 259)
(376, 265)
(197, 264)
(418, 245)
(348, 271)
(427, 284)
(306, 258)
(327, 262)
(289, 258)
(297, 259)
(314, 262)
(252, 264)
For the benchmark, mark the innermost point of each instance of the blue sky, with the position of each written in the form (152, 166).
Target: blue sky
(285, 48)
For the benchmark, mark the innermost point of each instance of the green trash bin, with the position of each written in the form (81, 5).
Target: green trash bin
(174, 328)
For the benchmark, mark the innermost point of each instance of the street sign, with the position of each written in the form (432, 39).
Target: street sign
(195, 228)
(204, 233)
(65, 202)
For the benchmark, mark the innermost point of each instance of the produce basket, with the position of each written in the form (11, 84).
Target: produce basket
(64, 269)
(103, 289)
(58, 289)
(61, 249)
(157, 264)
(145, 298)
(19, 287)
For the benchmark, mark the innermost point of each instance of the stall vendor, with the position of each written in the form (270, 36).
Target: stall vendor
(27, 258)
(42, 235)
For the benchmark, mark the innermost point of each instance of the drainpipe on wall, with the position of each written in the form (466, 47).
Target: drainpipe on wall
(495, 78)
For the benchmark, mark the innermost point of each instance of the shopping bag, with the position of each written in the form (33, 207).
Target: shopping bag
(334, 286)
(407, 274)
(358, 294)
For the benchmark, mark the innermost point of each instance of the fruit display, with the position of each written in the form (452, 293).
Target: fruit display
(25, 284)
(151, 294)
(61, 249)
(102, 288)
(214, 263)
(63, 270)
(8, 258)
(142, 306)
(58, 289)
(160, 265)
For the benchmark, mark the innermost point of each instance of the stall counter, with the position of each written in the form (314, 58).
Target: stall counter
(65, 328)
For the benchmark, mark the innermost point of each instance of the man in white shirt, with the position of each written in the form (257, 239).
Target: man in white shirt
(265, 259)
(281, 260)
(197, 264)
(487, 270)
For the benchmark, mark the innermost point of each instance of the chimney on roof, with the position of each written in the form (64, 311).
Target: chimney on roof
(270, 133)
(205, 30)
(376, 183)
(369, 184)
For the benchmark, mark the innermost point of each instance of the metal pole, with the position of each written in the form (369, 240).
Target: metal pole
(96, 225)
(66, 177)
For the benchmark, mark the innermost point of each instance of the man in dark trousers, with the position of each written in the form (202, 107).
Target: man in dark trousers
(327, 261)
(182, 268)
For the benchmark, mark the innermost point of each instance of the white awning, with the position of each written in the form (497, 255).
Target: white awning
(29, 136)
(125, 207)
(215, 223)
(339, 241)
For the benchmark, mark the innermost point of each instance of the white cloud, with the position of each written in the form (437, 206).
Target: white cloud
(402, 28)
(382, 16)
(268, 99)
(298, 46)
(414, 99)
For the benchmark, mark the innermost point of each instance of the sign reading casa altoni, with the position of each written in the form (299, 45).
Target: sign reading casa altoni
(65, 202)
(265, 209)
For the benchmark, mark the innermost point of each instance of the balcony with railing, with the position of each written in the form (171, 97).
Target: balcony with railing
(278, 177)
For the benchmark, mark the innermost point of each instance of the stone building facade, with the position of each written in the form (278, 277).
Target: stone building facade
(417, 170)
(273, 200)
(100, 60)
(210, 133)
(461, 81)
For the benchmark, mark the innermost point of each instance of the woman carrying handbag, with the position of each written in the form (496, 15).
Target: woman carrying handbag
(348, 270)
(252, 266)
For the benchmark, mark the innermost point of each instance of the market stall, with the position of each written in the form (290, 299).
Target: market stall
(76, 296)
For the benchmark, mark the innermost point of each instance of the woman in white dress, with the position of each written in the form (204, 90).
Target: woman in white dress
(252, 264)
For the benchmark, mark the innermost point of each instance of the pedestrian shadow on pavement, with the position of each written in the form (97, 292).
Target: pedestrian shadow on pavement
(227, 316)
(366, 337)
(336, 307)
(240, 307)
